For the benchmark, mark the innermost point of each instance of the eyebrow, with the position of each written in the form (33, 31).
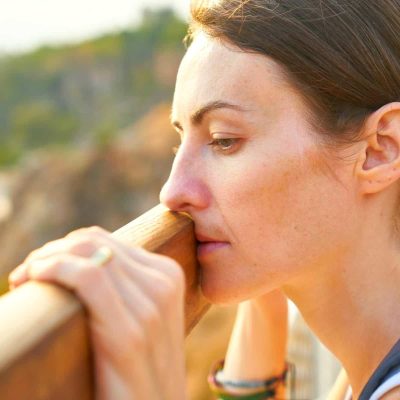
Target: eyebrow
(197, 117)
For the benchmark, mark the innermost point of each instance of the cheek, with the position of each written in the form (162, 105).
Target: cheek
(281, 208)
(265, 192)
(266, 202)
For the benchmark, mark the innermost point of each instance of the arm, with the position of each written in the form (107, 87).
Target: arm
(258, 343)
(257, 347)
(340, 386)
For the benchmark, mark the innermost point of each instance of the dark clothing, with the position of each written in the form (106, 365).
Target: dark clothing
(387, 368)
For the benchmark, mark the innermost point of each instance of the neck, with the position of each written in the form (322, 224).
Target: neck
(352, 305)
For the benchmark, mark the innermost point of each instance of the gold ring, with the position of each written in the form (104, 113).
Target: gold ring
(101, 256)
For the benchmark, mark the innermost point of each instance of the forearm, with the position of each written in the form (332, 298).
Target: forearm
(257, 347)
(340, 387)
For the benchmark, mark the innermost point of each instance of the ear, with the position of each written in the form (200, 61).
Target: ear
(379, 163)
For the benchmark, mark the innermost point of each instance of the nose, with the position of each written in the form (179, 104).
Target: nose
(186, 189)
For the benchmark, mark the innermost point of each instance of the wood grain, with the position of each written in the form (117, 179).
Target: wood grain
(44, 337)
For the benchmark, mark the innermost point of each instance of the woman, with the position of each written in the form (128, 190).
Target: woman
(289, 165)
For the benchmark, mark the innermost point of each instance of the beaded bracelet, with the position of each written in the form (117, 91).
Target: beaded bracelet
(256, 389)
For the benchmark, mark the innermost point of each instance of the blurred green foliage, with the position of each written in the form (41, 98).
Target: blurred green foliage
(69, 95)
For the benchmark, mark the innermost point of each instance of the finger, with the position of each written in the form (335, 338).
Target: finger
(108, 299)
(155, 284)
(78, 274)
(165, 299)
(81, 242)
(88, 282)
(164, 330)
(141, 304)
(142, 256)
(168, 267)
(160, 298)
(112, 326)
(79, 247)
(84, 246)
(18, 276)
(85, 241)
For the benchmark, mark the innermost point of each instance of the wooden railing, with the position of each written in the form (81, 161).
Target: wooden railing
(44, 341)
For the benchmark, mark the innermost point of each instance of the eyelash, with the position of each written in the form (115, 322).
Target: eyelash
(216, 143)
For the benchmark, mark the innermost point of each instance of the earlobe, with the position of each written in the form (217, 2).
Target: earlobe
(379, 163)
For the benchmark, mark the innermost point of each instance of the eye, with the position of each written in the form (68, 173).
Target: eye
(225, 145)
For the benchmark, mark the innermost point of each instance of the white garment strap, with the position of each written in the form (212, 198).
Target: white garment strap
(389, 384)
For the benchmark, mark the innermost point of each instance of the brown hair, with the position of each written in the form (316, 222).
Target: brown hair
(343, 55)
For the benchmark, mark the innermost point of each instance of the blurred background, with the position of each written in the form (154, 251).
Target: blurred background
(85, 96)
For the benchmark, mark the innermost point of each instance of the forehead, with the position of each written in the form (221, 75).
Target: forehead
(215, 70)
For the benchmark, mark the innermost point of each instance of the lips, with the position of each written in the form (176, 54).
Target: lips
(207, 245)
(203, 238)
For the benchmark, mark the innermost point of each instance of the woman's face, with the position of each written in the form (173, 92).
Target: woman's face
(252, 176)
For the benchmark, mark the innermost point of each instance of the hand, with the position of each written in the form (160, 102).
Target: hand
(136, 311)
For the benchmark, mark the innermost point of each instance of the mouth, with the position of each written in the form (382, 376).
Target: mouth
(207, 245)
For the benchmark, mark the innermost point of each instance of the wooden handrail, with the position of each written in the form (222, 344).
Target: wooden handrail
(44, 340)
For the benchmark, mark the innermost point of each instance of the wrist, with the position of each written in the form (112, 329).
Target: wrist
(272, 387)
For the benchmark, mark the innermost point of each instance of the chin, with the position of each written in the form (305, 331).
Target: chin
(221, 291)
(227, 288)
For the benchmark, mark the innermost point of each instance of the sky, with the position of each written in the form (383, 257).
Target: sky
(26, 24)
